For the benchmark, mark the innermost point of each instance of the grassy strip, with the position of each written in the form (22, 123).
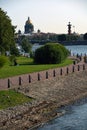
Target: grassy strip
(26, 65)
(9, 98)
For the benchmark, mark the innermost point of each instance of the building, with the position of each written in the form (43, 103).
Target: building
(29, 28)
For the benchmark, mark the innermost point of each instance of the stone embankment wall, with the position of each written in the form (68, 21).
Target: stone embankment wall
(26, 79)
(83, 42)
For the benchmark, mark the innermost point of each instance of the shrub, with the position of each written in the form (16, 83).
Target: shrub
(51, 53)
(2, 61)
(13, 60)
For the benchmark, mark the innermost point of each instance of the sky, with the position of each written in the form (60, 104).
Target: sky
(48, 15)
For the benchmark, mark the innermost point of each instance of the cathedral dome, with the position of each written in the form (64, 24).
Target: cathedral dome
(29, 28)
(28, 21)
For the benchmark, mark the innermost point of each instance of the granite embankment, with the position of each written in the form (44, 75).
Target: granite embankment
(81, 42)
(49, 95)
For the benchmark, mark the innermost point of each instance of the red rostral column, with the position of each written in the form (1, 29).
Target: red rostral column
(69, 28)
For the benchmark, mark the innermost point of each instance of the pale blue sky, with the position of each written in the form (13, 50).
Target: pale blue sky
(48, 15)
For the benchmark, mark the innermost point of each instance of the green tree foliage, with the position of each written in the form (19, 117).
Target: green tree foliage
(13, 60)
(51, 53)
(3, 60)
(85, 36)
(2, 50)
(14, 50)
(26, 45)
(72, 37)
(62, 37)
(6, 31)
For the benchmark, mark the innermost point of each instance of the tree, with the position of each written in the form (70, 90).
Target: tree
(26, 45)
(14, 50)
(62, 37)
(85, 36)
(6, 31)
(72, 37)
(2, 50)
(2, 61)
(51, 53)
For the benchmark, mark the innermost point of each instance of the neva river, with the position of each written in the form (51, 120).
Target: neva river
(75, 118)
(80, 49)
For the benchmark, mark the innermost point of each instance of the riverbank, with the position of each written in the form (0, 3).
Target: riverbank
(71, 43)
(49, 95)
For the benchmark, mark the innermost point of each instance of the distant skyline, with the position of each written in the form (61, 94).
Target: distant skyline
(48, 15)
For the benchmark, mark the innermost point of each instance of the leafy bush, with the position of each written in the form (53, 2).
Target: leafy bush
(2, 61)
(12, 59)
(51, 53)
(2, 50)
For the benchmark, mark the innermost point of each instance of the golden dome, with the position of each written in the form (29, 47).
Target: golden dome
(28, 21)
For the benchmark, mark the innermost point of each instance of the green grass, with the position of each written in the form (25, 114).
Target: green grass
(26, 65)
(10, 98)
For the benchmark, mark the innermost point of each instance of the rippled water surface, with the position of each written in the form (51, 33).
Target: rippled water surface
(74, 119)
(80, 49)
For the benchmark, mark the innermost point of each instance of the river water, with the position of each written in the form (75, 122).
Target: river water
(75, 118)
(80, 49)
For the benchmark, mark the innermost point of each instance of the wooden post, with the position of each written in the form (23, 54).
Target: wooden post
(61, 71)
(54, 73)
(19, 80)
(83, 66)
(73, 69)
(74, 62)
(29, 79)
(67, 70)
(38, 77)
(78, 67)
(46, 74)
(8, 83)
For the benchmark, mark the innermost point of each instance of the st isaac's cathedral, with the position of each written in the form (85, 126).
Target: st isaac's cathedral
(29, 28)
